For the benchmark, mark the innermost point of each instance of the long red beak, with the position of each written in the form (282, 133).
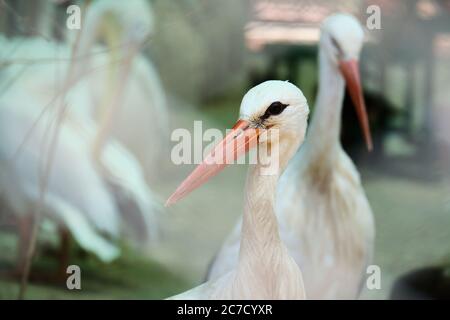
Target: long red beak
(350, 71)
(236, 143)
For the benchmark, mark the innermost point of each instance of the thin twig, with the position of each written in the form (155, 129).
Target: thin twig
(44, 181)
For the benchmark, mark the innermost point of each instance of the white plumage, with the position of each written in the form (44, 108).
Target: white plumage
(264, 269)
(76, 197)
(93, 178)
(324, 216)
(127, 27)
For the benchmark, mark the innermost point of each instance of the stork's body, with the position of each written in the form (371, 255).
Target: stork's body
(77, 198)
(325, 218)
(96, 187)
(121, 86)
(265, 269)
(141, 103)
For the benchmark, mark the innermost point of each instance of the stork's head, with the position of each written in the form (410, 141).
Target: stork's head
(129, 23)
(342, 37)
(274, 113)
(138, 21)
(275, 104)
(341, 41)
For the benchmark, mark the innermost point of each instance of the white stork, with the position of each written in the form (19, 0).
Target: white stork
(325, 218)
(265, 269)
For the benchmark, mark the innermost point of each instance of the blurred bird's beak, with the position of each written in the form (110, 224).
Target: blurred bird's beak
(236, 143)
(350, 71)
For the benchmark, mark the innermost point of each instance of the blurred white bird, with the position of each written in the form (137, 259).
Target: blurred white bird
(126, 27)
(107, 61)
(265, 269)
(325, 218)
(77, 198)
(87, 165)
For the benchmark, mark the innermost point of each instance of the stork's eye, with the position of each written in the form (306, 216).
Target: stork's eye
(274, 109)
(336, 46)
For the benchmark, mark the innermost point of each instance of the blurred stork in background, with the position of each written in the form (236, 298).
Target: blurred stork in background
(265, 269)
(110, 39)
(130, 81)
(325, 218)
(67, 100)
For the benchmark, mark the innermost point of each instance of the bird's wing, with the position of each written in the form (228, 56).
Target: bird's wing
(143, 108)
(80, 228)
(25, 145)
(123, 171)
(148, 77)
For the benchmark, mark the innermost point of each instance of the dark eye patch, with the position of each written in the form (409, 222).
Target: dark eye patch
(274, 109)
(336, 45)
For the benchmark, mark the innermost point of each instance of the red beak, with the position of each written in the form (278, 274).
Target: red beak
(350, 71)
(236, 143)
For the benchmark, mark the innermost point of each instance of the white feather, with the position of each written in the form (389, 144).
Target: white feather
(74, 187)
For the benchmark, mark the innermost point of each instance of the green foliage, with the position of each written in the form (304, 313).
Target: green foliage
(132, 276)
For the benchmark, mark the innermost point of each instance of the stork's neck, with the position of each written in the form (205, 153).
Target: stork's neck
(259, 225)
(84, 43)
(260, 239)
(94, 25)
(324, 132)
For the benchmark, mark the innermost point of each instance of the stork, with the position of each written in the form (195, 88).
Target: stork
(130, 82)
(108, 70)
(92, 175)
(325, 218)
(265, 270)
